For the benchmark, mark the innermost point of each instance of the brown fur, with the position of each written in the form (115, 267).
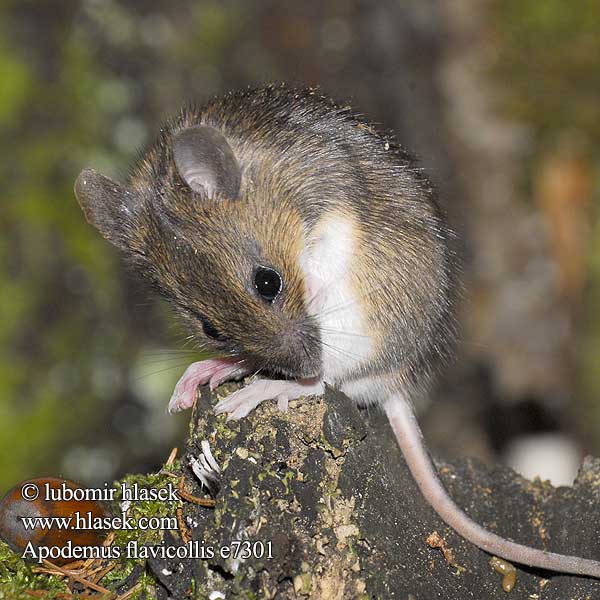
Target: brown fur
(301, 156)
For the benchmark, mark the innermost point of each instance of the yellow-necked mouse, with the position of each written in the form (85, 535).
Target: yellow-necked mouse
(297, 241)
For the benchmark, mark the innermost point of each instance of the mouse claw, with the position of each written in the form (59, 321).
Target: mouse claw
(238, 404)
(283, 402)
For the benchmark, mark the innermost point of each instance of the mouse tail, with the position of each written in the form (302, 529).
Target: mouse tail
(410, 439)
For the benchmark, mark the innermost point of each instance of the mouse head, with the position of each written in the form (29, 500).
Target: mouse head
(217, 244)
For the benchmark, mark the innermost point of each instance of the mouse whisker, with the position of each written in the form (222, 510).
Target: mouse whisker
(164, 351)
(169, 352)
(336, 349)
(342, 305)
(191, 340)
(305, 349)
(152, 373)
(342, 352)
(147, 359)
(174, 360)
(342, 332)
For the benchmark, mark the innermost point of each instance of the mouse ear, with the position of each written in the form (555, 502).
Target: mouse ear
(206, 162)
(107, 205)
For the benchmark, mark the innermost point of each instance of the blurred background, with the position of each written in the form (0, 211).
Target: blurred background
(500, 99)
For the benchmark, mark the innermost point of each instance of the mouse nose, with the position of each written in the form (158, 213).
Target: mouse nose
(301, 353)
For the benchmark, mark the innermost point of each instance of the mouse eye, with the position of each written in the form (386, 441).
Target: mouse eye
(211, 331)
(208, 328)
(268, 283)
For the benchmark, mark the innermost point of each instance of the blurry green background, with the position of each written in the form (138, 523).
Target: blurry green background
(500, 100)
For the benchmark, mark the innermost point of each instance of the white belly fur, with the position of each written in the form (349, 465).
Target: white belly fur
(326, 262)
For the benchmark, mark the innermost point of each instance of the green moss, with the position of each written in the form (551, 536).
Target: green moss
(17, 577)
(146, 582)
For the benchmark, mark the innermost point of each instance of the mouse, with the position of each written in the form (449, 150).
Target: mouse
(303, 247)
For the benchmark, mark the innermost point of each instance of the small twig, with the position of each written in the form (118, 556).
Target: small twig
(130, 592)
(191, 498)
(172, 457)
(184, 531)
(77, 566)
(435, 540)
(169, 463)
(86, 582)
(100, 573)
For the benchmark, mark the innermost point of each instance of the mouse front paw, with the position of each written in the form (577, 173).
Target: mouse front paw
(213, 371)
(242, 402)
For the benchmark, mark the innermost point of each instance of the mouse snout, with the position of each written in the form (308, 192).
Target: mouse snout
(299, 353)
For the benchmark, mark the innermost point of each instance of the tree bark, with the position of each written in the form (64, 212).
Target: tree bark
(326, 484)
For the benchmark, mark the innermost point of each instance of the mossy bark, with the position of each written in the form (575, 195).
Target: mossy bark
(326, 484)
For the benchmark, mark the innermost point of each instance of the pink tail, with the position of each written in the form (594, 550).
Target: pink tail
(410, 440)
